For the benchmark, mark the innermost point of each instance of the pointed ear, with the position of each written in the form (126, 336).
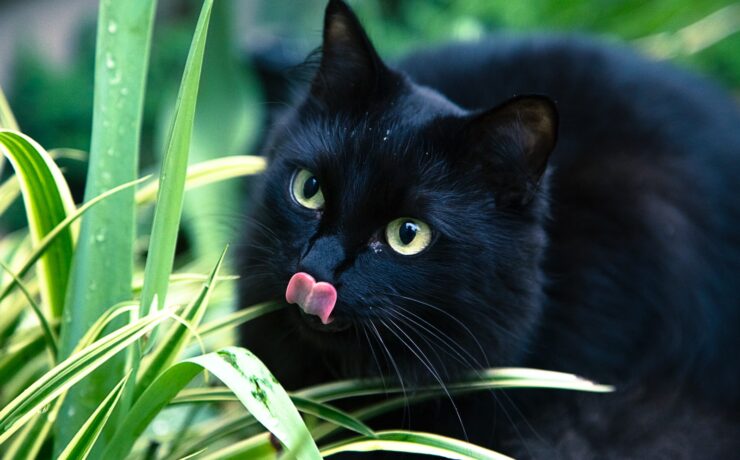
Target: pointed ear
(350, 67)
(514, 141)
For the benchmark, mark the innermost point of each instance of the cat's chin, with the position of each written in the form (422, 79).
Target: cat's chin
(336, 325)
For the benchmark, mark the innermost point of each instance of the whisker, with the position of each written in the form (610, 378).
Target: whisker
(445, 339)
(407, 410)
(457, 321)
(430, 367)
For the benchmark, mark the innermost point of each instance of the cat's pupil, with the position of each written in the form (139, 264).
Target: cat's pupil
(310, 187)
(408, 232)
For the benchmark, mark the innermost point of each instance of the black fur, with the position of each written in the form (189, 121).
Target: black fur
(618, 260)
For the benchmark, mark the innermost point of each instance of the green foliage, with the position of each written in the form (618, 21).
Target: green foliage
(48, 201)
(74, 404)
(107, 232)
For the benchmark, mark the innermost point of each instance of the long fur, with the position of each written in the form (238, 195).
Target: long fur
(621, 265)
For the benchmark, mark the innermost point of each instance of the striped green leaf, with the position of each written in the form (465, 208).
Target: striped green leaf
(10, 190)
(237, 318)
(331, 414)
(209, 172)
(246, 376)
(82, 443)
(218, 429)
(70, 371)
(414, 443)
(255, 448)
(28, 442)
(7, 120)
(48, 201)
(176, 338)
(15, 356)
(60, 231)
(49, 334)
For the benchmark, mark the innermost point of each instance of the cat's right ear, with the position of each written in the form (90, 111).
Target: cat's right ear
(350, 68)
(513, 142)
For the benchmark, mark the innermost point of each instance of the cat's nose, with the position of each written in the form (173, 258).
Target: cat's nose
(323, 258)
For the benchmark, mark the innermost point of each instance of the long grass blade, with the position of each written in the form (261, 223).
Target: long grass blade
(28, 443)
(48, 201)
(70, 371)
(15, 357)
(81, 445)
(59, 231)
(177, 337)
(172, 177)
(414, 443)
(49, 334)
(209, 172)
(7, 119)
(255, 448)
(246, 376)
(10, 190)
(103, 261)
(234, 320)
(332, 415)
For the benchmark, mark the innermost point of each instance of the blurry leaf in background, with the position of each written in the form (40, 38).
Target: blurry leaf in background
(103, 260)
(226, 123)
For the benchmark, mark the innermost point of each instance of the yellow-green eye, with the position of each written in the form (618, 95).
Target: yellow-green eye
(307, 190)
(408, 236)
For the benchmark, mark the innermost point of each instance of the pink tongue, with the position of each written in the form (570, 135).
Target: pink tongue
(313, 298)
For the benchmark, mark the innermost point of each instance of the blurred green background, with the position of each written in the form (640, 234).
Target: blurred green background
(47, 52)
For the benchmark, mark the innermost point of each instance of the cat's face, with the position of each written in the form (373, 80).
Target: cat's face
(421, 223)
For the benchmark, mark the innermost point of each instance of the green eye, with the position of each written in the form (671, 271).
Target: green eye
(408, 236)
(307, 190)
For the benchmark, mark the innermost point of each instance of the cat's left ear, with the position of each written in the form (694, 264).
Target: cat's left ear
(514, 142)
(350, 67)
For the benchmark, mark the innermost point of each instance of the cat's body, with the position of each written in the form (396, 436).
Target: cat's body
(625, 269)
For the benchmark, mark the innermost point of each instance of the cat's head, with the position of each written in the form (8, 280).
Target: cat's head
(407, 230)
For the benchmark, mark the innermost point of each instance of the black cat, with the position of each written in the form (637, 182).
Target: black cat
(424, 234)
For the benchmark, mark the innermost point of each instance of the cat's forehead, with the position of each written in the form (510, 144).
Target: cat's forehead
(374, 170)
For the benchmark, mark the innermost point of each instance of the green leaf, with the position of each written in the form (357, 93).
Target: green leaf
(331, 414)
(246, 376)
(218, 429)
(414, 443)
(49, 334)
(82, 443)
(183, 278)
(10, 190)
(209, 172)
(7, 120)
(103, 261)
(326, 412)
(172, 177)
(255, 448)
(239, 317)
(59, 231)
(15, 357)
(226, 122)
(48, 201)
(175, 340)
(29, 441)
(70, 371)
(483, 380)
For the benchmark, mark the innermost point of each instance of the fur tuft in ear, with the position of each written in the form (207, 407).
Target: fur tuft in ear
(514, 142)
(350, 68)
